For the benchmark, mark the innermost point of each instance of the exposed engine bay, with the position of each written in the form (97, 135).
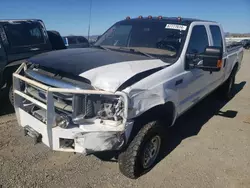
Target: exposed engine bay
(101, 107)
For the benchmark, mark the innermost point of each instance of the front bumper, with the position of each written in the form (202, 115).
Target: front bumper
(86, 138)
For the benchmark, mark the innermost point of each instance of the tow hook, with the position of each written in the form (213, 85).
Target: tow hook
(37, 137)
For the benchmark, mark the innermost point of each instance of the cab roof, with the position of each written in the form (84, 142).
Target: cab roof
(19, 20)
(180, 20)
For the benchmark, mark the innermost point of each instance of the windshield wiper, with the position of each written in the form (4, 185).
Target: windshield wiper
(122, 48)
(136, 51)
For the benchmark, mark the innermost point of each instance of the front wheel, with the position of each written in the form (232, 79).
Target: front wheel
(142, 152)
(11, 94)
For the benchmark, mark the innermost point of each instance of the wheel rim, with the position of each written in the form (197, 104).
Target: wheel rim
(11, 95)
(151, 151)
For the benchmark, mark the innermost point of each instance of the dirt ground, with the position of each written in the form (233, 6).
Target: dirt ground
(208, 147)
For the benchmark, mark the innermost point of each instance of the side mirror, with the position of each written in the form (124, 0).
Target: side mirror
(210, 60)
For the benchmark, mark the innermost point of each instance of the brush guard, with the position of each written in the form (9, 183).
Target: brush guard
(92, 138)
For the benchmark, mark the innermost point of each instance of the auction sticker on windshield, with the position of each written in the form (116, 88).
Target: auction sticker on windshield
(175, 26)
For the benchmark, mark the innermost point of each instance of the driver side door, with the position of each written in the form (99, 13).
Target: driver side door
(196, 80)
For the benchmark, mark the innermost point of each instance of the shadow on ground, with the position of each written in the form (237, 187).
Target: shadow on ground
(190, 123)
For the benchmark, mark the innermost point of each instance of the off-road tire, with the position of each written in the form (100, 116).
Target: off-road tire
(226, 91)
(129, 161)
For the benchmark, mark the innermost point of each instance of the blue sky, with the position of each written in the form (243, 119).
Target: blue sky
(71, 16)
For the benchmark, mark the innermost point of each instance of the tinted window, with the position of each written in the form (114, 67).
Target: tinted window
(216, 35)
(198, 41)
(82, 40)
(72, 40)
(24, 33)
(152, 37)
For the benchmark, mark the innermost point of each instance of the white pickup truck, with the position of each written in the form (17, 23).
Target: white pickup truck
(121, 94)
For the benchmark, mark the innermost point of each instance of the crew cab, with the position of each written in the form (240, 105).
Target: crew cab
(19, 40)
(124, 92)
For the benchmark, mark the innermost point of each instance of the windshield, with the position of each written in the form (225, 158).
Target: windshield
(151, 37)
(24, 33)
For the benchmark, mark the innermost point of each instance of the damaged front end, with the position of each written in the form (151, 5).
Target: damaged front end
(70, 119)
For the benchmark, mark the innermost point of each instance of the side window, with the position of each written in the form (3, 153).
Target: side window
(216, 35)
(198, 40)
(72, 40)
(82, 40)
(35, 33)
(24, 34)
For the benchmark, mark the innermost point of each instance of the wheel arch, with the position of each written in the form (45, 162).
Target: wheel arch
(9, 70)
(165, 113)
(159, 112)
(235, 67)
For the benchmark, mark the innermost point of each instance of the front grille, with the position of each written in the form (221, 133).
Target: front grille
(62, 101)
(59, 102)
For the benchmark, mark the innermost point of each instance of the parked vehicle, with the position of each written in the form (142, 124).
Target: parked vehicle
(246, 43)
(123, 94)
(19, 40)
(57, 42)
(76, 42)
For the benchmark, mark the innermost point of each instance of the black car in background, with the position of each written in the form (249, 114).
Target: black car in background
(246, 43)
(20, 40)
(76, 42)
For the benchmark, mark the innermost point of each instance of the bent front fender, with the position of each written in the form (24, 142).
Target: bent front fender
(143, 100)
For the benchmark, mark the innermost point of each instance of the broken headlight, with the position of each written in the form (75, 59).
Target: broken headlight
(103, 107)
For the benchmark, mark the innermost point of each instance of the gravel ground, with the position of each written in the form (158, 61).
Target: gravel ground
(208, 147)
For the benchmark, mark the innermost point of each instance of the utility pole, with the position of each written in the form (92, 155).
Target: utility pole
(90, 11)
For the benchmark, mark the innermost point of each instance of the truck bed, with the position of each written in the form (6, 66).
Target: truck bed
(233, 47)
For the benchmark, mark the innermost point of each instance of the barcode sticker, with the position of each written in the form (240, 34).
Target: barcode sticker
(177, 27)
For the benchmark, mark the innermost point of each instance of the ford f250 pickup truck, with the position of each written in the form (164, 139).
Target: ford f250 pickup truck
(121, 94)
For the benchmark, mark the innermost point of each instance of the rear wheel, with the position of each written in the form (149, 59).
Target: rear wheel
(142, 152)
(226, 91)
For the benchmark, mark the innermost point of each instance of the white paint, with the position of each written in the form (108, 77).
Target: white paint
(160, 88)
(51, 138)
(110, 77)
(149, 92)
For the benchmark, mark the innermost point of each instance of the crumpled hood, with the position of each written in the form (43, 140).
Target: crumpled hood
(112, 77)
(106, 70)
